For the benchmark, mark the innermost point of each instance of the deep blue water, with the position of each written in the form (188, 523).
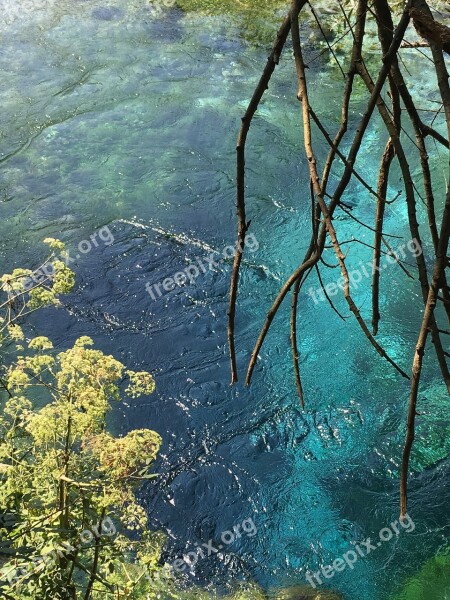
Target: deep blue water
(111, 117)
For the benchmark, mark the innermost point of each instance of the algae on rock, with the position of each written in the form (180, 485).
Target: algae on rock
(431, 583)
(304, 592)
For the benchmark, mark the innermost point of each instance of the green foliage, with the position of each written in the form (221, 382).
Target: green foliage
(432, 582)
(257, 20)
(247, 592)
(305, 592)
(67, 499)
(228, 6)
(64, 476)
(70, 523)
(24, 290)
(249, 9)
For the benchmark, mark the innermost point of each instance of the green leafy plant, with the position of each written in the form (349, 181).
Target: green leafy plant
(69, 485)
(71, 526)
(66, 481)
(25, 290)
(67, 499)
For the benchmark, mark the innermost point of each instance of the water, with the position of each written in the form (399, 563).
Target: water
(114, 117)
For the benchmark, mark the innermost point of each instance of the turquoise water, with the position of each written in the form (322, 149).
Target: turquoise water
(112, 116)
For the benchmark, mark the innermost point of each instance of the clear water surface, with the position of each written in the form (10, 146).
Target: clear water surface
(114, 116)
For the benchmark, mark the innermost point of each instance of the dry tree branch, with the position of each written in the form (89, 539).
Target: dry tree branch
(385, 27)
(243, 226)
(383, 179)
(330, 302)
(304, 99)
(385, 36)
(438, 270)
(312, 257)
(322, 212)
(294, 343)
(412, 214)
(330, 47)
(315, 210)
(436, 34)
(334, 150)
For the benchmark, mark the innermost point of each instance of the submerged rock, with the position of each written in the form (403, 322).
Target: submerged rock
(431, 583)
(304, 592)
(107, 13)
(247, 592)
